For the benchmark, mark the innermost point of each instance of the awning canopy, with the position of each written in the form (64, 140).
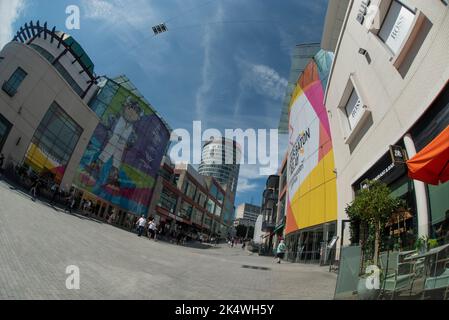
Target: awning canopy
(431, 164)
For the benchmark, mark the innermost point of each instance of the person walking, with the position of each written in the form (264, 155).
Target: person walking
(54, 192)
(141, 225)
(280, 252)
(152, 229)
(71, 201)
(35, 188)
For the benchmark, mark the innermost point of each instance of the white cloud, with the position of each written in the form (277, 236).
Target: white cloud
(207, 73)
(10, 11)
(264, 80)
(249, 174)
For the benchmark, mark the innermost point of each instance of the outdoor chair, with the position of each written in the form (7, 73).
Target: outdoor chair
(397, 276)
(438, 282)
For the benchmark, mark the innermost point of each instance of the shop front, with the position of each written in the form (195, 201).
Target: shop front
(431, 125)
(402, 228)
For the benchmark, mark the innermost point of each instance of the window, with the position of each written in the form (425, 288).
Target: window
(53, 142)
(186, 210)
(67, 77)
(11, 86)
(47, 55)
(210, 206)
(168, 200)
(354, 109)
(189, 190)
(396, 26)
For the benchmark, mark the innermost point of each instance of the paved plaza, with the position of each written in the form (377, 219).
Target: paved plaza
(37, 243)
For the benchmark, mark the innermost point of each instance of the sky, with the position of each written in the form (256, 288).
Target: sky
(222, 62)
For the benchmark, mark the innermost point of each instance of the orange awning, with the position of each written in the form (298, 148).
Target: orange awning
(431, 164)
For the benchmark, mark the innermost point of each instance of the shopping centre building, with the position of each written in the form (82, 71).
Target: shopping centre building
(62, 123)
(387, 95)
(45, 122)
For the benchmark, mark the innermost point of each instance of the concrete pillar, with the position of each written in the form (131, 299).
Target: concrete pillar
(420, 193)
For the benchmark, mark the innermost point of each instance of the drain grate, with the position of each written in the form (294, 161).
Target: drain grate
(255, 268)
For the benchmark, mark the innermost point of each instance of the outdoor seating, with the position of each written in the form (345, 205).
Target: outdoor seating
(398, 276)
(438, 282)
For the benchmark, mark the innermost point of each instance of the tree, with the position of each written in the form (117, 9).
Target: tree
(372, 207)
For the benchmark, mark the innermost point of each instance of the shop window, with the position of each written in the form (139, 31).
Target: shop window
(354, 112)
(53, 142)
(396, 26)
(12, 85)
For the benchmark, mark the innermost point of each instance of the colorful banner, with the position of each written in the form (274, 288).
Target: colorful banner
(123, 157)
(312, 192)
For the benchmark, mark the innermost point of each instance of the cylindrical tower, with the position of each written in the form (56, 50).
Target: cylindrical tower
(220, 159)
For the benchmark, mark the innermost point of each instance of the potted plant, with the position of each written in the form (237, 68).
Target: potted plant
(432, 243)
(421, 244)
(371, 209)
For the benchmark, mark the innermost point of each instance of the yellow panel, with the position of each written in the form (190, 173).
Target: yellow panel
(305, 187)
(317, 176)
(329, 166)
(331, 200)
(301, 209)
(318, 214)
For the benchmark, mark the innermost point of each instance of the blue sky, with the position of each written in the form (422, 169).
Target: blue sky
(224, 62)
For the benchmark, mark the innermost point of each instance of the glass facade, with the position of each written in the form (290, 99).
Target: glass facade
(12, 85)
(168, 200)
(53, 143)
(186, 210)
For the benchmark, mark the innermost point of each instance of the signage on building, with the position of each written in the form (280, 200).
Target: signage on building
(363, 10)
(385, 170)
(310, 148)
(354, 109)
(398, 155)
(395, 28)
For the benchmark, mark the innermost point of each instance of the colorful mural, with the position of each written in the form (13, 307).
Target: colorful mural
(123, 157)
(312, 190)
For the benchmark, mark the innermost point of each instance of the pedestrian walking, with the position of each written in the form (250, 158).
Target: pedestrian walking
(54, 192)
(280, 252)
(141, 225)
(152, 230)
(35, 188)
(71, 201)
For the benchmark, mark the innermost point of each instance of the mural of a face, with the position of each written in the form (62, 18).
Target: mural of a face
(131, 111)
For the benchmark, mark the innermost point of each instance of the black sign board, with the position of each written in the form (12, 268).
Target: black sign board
(398, 155)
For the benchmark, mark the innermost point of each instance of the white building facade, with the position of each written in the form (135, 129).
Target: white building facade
(388, 86)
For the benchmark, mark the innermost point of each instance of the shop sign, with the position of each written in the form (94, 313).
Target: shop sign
(398, 155)
(385, 170)
(363, 10)
(398, 22)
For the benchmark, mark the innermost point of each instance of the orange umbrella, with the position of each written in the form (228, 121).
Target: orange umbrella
(431, 164)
